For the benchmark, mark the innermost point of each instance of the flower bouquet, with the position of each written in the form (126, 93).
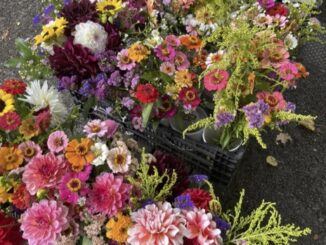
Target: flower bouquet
(101, 187)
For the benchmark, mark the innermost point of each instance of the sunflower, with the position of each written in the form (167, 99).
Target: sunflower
(6, 102)
(10, 158)
(29, 129)
(117, 228)
(109, 7)
(79, 154)
(54, 29)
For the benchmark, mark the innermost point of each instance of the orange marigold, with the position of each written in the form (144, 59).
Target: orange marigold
(79, 154)
(191, 41)
(10, 158)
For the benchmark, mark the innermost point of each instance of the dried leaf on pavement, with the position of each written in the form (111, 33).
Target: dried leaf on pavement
(308, 124)
(283, 138)
(272, 161)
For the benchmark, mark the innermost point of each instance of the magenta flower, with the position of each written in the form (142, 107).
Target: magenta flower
(190, 98)
(167, 68)
(287, 71)
(216, 80)
(165, 53)
(172, 40)
(124, 62)
(108, 195)
(266, 3)
(95, 128)
(57, 141)
(43, 222)
(30, 150)
(44, 171)
(74, 184)
(181, 61)
(111, 128)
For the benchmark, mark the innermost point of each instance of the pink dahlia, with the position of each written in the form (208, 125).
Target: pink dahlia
(74, 184)
(216, 80)
(57, 141)
(190, 98)
(95, 128)
(10, 121)
(181, 61)
(165, 53)
(30, 150)
(43, 222)
(288, 71)
(108, 194)
(124, 62)
(157, 224)
(44, 171)
(275, 100)
(201, 227)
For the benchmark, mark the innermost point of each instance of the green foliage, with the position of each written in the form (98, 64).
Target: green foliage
(206, 122)
(262, 227)
(29, 63)
(289, 116)
(256, 134)
(153, 185)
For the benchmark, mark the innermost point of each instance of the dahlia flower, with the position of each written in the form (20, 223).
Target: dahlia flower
(43, 222)
(91, 35)
(124, 62)
(101, 152)
(216, 80)
(108, 194)
(30, 149)
(95, 128)
(57, 141)
(10, 121)
(199, 197)
(119, 159)
(157, 224)
(43, 171)
(43, 96)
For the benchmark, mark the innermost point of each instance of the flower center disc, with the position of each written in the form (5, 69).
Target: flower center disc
(190, 96)
(81, 150)
(29, 152)
(74, 184)
(119, 159)
(2, 105)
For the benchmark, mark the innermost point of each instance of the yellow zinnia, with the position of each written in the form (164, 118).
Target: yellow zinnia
(109, 7)
(183, 78)
(6, 103)
(117, 228)
(54, 29)
(138, 52)
(10, 158)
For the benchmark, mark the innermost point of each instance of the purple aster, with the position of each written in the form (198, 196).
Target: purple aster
(183, 202)
(255, 113)
(128, 103)
(198, 178)
(67, 83)
(181, 61)
(267, 4)
(223, 119)
(115, 79)
(165, 53)
(124, 62)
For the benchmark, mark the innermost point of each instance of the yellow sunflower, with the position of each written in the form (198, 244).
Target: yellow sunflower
(117, 228)
(6, 103)
(54, 29)
(109, 7)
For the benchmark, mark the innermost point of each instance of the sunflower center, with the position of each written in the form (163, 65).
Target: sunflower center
(74, 184)
(190, 95)
(81, 150)
(11, 158)
(2, 105)
(109, 7)
(119, 159)
(29, 152)
(58, 142)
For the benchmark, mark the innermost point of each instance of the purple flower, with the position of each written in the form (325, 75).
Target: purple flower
(67, 83)
(87, 88)
(147, 202)
(290, 107)
(137, 123)
(115, 79)
(37, 19)
(128, 103)
(255, 113)
(183, 202)
(221, 224)
(223, 119)
(124, 62)
(107, 61)
(66, 2)
(165, 53)
(267, 4)
(166, 2)
(181, 61)
(198, 179)
(49, 9)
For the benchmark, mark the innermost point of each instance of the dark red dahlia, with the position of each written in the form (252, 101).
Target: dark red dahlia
(73, 60)
(114, 39)
(199, 197)
(9, 231)
(279, 8)
(77, 12)
(146, 93)
(21, 198)
(14, 87)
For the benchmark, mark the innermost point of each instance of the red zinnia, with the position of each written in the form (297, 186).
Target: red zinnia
(199, 197)
(13, 87)
(21, 197)
(146, 93)
(10, 121)
(189, 97)
(9, 231)
(278, 8)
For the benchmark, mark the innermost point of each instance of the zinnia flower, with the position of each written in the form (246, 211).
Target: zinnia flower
(111, 128)
(191, 41)
(14, 87)
(73, 185)
(172, 40)
(157, 224)
(101, 152)
(216, 80)
(124, 62)
(278, 9)
(167, 68)
(10, 158)
(30, 149)
(29, 128)
(21, 197)
(199, 197)
(138, 52)
(43, 171)
(108, 195)
(214, 58)
(43, 119)
(91, 35)
(288, 71)
(166, 109)
(95, 128)
(43, 96)
(10, 121)
(117, 228)
(183, 78)
(6, 102)
(43, 222)
(79, 154)
(189, 97)
(181, 61)
(57, 141)
(165, 53)
(146, 93)
(275, 56)
(119, 159)
(275, 100)
(266, 3)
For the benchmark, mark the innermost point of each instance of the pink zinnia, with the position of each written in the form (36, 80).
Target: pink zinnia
(167, 68)
(172, 40)
(57, 141)
(43, 222)
(157, 224)
(216, 80)
(43, 171)
(275, 100)
(181, 61)
(111, 128)
(202, 228)
(288, 71)
(275, 56)
(165, 53)
(124, 62)
(10, 121)
(30, 150)
(95, 128)
(74, 184)
(108, 195)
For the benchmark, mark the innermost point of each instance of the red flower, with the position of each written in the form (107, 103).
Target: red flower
(9, 231)
(278, 8)
(189, 97)
(199, 197)
(146, 93)
(43, 119)
(10, 121)
(13, 87)
(21, 197)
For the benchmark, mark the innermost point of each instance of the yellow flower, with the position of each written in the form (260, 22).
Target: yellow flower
(29, 129)
(138, 52)
(4, 195)
(117, 228)
(54, 29)
(6, 102)
(10, 158)
(183, 78)
(109, 7)
(267, 119)
(172, 90)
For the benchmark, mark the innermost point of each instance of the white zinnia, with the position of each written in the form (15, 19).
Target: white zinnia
(119, 159)
(101, 152)
(42, 96)
(91, 35)
(291, 41)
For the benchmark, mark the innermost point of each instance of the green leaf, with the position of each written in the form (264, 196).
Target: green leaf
(86, 241)
(88, 105)
(147, 110)
(23, 47)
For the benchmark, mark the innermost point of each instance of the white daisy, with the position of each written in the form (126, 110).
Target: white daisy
(101, 152)
(42, 96)
(119, 159)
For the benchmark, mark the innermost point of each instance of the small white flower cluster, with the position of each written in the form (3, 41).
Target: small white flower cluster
(192, 24)
(154, 40)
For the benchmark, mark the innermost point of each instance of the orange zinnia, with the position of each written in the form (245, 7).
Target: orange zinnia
(10, 158)
(191, 41)
(79, 154)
